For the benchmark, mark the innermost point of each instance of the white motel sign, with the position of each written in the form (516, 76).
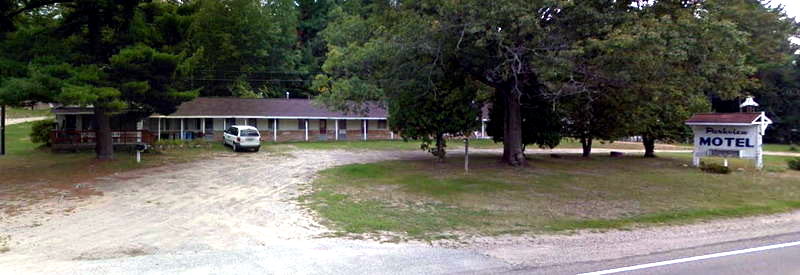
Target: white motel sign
(734, 135)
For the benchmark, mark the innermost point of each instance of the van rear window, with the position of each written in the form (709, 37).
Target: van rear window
(249, 133)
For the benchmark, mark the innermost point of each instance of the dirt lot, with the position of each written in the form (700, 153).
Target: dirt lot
(247, 201)
(231, 201)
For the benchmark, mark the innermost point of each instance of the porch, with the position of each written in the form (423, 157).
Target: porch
(84, 139)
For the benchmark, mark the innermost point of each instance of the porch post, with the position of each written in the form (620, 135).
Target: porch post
(364, 128)
(159, 128)
(182, 129)
(203, 126)
(483, 129)
(336, 126)
(139, 128)
(306, 121)
(275, 130)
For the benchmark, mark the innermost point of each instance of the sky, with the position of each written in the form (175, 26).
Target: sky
(792, 7)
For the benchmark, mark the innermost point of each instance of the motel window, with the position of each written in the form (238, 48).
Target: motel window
(230, 121)
(343, 124)
(198, 124)
(301, 124)
(381, 124)
(252, 122)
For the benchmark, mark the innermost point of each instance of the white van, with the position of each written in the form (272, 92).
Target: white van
(242, 137)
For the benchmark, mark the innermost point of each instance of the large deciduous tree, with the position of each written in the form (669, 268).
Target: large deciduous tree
(428, 97)
(500, 44)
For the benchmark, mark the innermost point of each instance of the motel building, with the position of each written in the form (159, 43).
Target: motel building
(206, 118)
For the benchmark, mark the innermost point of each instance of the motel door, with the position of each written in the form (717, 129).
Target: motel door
(323, 129)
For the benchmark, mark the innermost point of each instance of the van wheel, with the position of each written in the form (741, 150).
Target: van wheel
(235, 148)
(257, 148)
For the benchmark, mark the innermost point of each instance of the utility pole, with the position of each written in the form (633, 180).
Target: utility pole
(2, 130)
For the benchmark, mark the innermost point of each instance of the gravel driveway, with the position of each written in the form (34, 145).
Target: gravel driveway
(228, 202)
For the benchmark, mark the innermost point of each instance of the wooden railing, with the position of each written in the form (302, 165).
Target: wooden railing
(89, 137)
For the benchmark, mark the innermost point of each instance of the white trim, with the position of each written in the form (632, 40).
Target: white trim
(336, 126)
(365, 129)
(306, 128)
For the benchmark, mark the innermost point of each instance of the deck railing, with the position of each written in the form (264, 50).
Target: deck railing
(89, 137)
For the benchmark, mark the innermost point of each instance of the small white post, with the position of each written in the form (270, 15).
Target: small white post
(275, 130)
(391, 134)
(336, 127)
(364, 128)
(138, 156)
(306, 122)
(725, 162)
(182, 129)
(483, 129)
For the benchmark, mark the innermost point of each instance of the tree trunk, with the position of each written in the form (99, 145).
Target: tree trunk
(649, 146)
(440, 144)
(512, 131)
(104, 146)
(586, 144)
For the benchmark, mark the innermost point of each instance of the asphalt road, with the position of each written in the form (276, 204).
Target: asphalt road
(710, 260)
(336, 256)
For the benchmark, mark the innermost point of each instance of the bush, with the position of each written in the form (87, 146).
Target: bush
(794, 164)
(40, 131)
(714, 168)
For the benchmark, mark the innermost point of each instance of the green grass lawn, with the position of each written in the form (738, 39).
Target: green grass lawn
(29, 174)
(24, 112)
(782, 148)
(429, 200)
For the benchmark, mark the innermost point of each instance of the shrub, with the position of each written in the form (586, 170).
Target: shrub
(40, 131)
(792, 148)
(714, 168)
(794, 164)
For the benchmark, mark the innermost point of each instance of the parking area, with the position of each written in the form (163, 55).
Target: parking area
(230, 201)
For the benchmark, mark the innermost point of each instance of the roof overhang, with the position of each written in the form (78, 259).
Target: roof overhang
(275, 117)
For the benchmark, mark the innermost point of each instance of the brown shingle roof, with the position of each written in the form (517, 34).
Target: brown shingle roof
(737, 118)
(272, 107)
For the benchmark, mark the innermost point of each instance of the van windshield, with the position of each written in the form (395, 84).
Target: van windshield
(249, 133)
